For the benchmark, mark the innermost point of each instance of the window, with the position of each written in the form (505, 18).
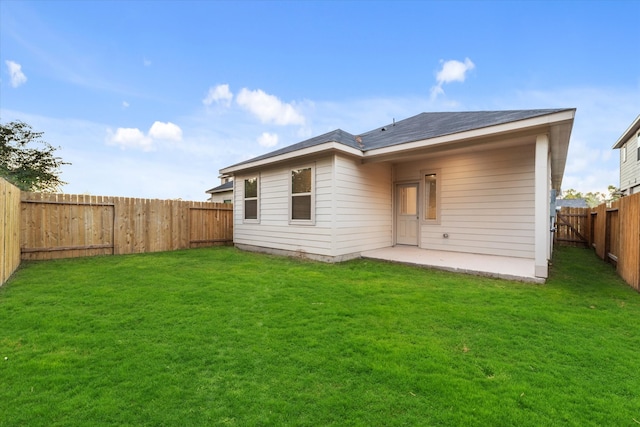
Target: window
(251, 199)
(302, 206)
(408, 202)
(431, 197)
(624, 153)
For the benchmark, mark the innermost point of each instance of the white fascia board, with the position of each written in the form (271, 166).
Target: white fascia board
(519, 125)
(628, 133)
(316, 149)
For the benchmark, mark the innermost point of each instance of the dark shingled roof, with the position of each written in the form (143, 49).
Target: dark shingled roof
(337, 135)
(572, 203)
(224, 187)
(416, 128)
(432, 125)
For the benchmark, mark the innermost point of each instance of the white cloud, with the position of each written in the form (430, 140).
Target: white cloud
(134, 138)
(451, 71)
(15, 71)
(129, 138)
(268, 139)
(268, 108)
(146, 62)
(219, 94)
(125, 104)
(167, 131)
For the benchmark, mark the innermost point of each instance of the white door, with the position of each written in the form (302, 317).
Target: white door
(407, 214)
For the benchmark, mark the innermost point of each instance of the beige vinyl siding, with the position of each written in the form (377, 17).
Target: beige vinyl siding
(221, 197)
(363, 205)
(274, 230)
(487, 201)
(630, 170)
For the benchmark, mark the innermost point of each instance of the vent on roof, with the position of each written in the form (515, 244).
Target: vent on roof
(383, 129)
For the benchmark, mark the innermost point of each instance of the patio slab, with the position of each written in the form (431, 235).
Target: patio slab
(510, 268)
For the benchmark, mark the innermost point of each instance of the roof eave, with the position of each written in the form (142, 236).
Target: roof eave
(635, 126)
(224, 190)
(505, 128)
(559, 136)
(326, 147)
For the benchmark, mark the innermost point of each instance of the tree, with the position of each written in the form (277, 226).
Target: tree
(593, 198)
(25, 166)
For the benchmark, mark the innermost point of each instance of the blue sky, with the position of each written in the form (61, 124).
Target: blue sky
(151, 99)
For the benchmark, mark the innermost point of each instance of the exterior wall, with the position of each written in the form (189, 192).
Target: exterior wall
(630, 169)
(273, 229)
(353, 211)
(486, 201)
(221, 197)
(364, 210)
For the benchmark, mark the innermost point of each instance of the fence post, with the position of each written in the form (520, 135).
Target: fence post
(9, 229)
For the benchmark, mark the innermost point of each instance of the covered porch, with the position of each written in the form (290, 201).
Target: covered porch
(510, 268)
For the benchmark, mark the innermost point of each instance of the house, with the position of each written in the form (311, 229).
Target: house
(465, 182)
(629, 146)
(222, 193)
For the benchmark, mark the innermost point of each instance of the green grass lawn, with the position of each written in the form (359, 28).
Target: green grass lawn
(222, 337)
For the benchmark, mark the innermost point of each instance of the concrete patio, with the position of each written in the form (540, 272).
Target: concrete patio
(510, 268)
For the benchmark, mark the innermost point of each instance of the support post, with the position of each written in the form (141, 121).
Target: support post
(542, 220)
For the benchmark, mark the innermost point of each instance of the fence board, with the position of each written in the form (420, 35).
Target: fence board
(599, 218)
(615, 236)
(572, 228)
(612, 231)
(629, 265)
(9, 230)
(61, 226)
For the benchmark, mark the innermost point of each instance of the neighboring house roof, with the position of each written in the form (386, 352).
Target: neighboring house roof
(631, 130)
(227, 186)
(571, 203)
(431, 130)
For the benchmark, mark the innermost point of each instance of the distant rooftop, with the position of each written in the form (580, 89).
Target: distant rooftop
(571, 203)
(221, 188)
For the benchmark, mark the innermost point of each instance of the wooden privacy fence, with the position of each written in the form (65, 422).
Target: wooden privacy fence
(9, 229)
(66, 225)
(612, 231)
(572, 227)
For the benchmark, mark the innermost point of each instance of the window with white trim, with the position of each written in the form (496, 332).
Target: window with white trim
(431, 199)
(624, 153)
(302, 195)
(251, 199)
